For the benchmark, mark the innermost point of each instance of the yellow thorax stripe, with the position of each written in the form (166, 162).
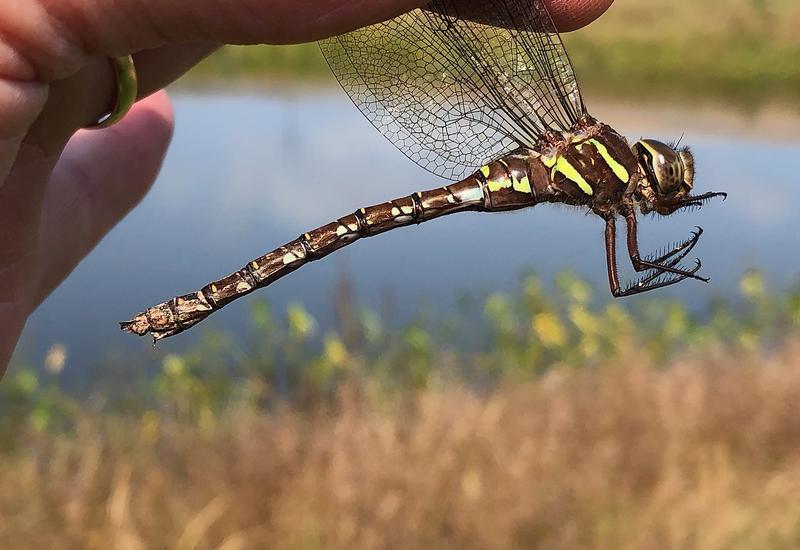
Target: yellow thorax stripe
(619, 169)
(570, 172)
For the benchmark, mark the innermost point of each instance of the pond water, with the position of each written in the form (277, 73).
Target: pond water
(247, 173)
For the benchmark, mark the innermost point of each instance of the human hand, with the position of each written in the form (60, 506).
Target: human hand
(62, 189)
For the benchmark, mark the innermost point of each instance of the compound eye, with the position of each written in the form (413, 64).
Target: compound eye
(669, 174)
(663, 165)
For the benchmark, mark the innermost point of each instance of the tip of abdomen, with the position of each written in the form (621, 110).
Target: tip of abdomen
(139, 325)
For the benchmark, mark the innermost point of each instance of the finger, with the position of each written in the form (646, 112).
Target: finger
(12, 324)
(20, 104)
(160, 67)
(100, 177)
(133, 25)
(81, 100)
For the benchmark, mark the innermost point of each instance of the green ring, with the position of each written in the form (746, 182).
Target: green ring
(127, 91)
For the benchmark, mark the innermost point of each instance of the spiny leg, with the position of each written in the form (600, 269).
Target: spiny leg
(683, 248)
(651, 282)
(611, 256)
(643, 265)
(672, 258)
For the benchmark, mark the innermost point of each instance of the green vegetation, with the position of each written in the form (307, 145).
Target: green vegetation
(740, 51)
(487, 342)
(572, 424)
(300, 64)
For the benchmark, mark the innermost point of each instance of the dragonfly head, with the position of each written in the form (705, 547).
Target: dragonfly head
(669, 171)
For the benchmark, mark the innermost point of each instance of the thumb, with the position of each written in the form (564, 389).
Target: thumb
(125, 26)
(100, 177)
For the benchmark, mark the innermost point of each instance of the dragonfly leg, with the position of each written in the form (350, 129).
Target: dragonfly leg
(657, 280)
(682, 249)
(658, 264)
(662, 275)
(672, 258)
(611, 256)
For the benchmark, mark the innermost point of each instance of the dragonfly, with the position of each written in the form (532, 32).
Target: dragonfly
(484, 95)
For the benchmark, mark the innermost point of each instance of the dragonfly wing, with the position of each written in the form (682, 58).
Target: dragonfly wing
(460, 82)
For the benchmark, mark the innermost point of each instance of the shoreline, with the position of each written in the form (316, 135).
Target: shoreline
(773, 123)
(770, 122)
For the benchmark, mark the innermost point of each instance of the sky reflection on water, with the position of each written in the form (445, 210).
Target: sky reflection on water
(249, 173)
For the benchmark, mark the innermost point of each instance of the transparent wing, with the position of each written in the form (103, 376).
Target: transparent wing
(460, 82)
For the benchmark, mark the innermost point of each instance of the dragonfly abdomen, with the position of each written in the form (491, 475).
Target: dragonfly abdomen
(505, 188)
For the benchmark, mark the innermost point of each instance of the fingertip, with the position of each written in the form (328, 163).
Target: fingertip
(122, 161)
(139, 142)
(158, 103)
(570, 15)
(152, 115)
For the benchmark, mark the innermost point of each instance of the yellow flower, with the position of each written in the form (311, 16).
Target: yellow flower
(335, 351)
(301, 323)
(549, 330)
(752, 285)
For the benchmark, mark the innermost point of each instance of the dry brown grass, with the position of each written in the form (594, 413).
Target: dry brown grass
(704, 454)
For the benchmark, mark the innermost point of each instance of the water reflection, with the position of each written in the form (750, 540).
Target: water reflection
(249, 173)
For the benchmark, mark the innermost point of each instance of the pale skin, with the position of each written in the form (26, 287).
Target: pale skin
(61, 188)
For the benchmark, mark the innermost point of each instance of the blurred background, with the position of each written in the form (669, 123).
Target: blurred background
(465, 383)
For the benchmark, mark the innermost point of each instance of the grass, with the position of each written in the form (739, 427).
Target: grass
(701, 454)
(739, 51)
